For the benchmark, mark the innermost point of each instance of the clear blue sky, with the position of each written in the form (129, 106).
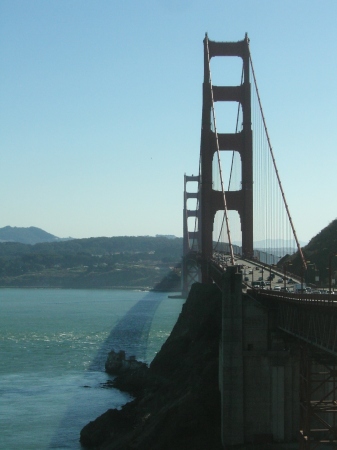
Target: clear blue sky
(100, 108)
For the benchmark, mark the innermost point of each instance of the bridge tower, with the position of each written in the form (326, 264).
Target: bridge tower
(191, 238)
(241, 200)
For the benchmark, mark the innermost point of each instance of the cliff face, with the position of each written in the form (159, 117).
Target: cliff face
(177, 403)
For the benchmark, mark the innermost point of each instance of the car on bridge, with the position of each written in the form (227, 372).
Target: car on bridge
(277, 288)
(258, 284)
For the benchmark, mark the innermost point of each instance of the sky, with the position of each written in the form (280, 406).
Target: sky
(100, 108)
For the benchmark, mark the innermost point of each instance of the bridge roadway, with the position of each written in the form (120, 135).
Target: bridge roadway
(309, 317)
(257, 271)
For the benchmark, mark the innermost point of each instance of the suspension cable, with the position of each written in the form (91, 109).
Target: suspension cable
(274, 163)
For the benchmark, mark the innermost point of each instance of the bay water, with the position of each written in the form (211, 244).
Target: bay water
(53, 346)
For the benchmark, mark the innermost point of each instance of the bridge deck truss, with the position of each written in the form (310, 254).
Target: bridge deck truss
(318, 406)
(315, 324)
(312, 319)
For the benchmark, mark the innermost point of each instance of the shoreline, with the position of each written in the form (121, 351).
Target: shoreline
(107, 288)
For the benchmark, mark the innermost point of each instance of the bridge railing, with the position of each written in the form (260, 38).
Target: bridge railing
(303, 298)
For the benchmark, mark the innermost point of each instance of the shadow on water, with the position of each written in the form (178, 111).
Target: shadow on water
(131, 333)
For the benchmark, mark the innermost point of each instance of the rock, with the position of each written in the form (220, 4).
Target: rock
(117, 363)
(132, 375)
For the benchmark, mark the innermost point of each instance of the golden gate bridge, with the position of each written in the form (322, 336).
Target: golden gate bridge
(235, 216)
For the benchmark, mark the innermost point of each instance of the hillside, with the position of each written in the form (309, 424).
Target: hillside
(317, 254)
(125, 261)
(30, 235)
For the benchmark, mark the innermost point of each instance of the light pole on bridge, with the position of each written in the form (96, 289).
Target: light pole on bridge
(285, 265)
(330, 269)
(303, 269)
(313, 274)
(303, 277)
(270, 275)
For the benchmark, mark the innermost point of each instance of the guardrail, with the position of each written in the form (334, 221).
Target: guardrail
(306, 298)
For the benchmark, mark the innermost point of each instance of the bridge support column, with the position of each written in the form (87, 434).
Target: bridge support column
(277, 402)
(258, 373)
(231, 360)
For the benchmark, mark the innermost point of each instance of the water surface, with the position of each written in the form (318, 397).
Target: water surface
(53, 346)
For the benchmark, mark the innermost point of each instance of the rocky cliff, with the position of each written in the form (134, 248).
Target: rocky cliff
(177, 404)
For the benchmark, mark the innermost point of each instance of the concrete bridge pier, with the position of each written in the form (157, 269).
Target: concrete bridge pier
(258, 374)
(231, 360)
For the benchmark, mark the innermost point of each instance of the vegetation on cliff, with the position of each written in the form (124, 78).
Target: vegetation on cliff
(178, 401)
(317, 253)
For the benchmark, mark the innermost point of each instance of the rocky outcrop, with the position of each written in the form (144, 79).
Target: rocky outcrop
(177, 404)
(132, 375)
(117, 363)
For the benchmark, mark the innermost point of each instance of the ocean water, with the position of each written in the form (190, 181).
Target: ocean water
(53, 346)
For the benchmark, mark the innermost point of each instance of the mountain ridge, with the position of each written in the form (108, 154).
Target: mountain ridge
(27, 235)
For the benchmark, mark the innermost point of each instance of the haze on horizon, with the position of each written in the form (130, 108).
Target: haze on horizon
(101, 108)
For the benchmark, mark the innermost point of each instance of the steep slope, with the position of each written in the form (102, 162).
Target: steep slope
(317, 253)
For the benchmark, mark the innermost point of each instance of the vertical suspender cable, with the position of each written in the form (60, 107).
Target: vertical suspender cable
(275, 167)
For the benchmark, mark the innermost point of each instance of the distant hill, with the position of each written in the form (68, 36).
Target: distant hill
(30, 235)
(141, 262)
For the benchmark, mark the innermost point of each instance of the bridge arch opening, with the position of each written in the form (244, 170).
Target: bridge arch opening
(228, 117)
(231, 171)
(226, 70)
(192, 223)
(220, 237)
(192, 204)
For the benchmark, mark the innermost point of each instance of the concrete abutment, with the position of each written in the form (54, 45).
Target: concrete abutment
(258, 374)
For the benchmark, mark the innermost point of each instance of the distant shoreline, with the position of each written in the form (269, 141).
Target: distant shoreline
(107, 288)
